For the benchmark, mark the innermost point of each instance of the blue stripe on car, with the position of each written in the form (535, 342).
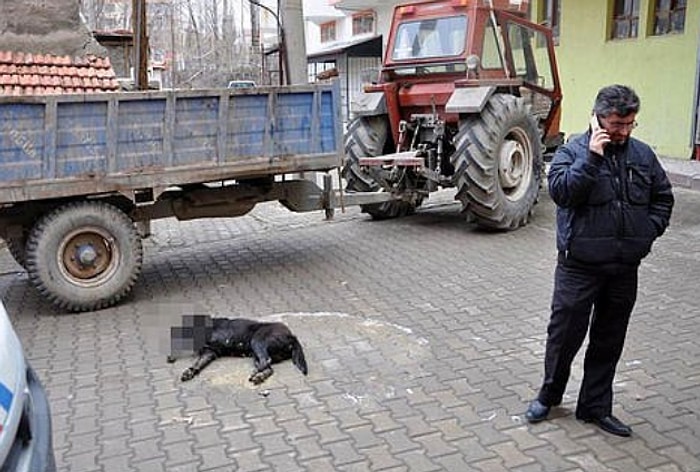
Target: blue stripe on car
(5, 397)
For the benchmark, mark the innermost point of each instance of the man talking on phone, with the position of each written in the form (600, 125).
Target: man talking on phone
(613, 200)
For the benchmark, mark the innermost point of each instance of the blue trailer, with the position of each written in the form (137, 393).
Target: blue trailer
(81, 176)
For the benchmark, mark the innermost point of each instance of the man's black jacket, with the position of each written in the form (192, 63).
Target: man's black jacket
(610, 208)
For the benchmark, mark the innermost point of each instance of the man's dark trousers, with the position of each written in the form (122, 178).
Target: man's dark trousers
(611, 290)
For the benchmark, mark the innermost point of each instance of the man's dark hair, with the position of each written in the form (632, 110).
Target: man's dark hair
(618, 99)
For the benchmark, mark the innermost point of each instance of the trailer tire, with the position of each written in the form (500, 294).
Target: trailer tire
(17, 247)
(367, 137)
(498, 162)
(84, 255)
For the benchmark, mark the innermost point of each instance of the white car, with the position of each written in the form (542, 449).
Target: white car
(241, 84)
(25, 419)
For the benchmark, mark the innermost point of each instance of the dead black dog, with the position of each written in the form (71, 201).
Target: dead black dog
(267, 343)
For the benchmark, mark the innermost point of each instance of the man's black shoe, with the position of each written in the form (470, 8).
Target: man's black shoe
(611, 425)
(536, 412)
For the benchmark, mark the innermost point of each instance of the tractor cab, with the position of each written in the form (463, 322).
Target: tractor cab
(437, 47)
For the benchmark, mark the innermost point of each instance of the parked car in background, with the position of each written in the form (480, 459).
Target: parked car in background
(241, 84)
(25, 420)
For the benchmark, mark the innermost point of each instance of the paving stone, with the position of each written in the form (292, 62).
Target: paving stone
(215, 457)
(364, 437)
(240, 439)
(274, 444)
(309, 448)
(296, 429)
(383, 422)
(249, 460)
(343, 452)
(603, 450)
(82, 444)
(418, 461)
(119, 462)
(180, 452)
(85, 461)
(150, 465)
(355, 467)
(491, 465)
(115, 446)
(209, 435)
(683, 456)
(399, 441)
(510, 455)
(643, 456)
(147, 448)
(380, 458)
(330, 432)
(286, 462)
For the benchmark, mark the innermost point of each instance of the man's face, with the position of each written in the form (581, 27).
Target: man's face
(618, 127)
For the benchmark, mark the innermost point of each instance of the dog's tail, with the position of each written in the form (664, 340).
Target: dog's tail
(298, 358)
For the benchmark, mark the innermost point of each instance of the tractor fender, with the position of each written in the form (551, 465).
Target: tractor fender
(469, 99)
(368, 104)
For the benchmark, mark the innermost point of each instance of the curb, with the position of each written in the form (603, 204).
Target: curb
(691, 182)
(682, 173)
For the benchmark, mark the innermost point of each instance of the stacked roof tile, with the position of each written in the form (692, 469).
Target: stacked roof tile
(38, 74)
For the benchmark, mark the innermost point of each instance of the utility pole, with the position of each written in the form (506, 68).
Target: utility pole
(173, 54)
(294, 50)
(138, 11)
(292, 15)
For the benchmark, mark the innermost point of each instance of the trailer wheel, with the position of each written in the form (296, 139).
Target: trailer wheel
(17, 247)
(366, 137)
(84, 256)
(498, 162)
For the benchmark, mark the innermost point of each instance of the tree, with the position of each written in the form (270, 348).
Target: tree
(197, 40)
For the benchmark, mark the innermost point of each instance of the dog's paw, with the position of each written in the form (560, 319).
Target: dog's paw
(259, 377)
(188, 374)
(256, 378)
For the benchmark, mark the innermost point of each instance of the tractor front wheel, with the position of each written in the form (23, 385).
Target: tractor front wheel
(367, 137)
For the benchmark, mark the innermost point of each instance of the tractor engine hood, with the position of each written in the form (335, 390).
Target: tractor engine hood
(425, 95)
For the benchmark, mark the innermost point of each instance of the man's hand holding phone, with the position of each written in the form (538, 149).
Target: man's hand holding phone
(599, 137)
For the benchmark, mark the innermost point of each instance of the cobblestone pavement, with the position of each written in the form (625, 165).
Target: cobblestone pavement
(424, 338)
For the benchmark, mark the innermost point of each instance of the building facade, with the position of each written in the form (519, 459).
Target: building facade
(651, 45)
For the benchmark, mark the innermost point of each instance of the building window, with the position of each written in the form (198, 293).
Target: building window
(363, 23)
(550, 15)
(328, 32)
(625, 19)
(669, 16)
(322, 70)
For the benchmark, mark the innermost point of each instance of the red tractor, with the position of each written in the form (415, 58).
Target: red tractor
(468, 96)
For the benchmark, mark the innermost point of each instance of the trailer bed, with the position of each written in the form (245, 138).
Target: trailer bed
(58, 146)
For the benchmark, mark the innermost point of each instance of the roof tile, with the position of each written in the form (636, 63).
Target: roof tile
(23, 73)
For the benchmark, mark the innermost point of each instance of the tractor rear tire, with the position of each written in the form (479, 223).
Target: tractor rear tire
(499, 164)
(84, 255)
(367, 137)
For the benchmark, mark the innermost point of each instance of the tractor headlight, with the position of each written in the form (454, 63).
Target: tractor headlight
(473, 63)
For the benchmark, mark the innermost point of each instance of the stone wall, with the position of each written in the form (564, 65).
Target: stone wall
(46, 27)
